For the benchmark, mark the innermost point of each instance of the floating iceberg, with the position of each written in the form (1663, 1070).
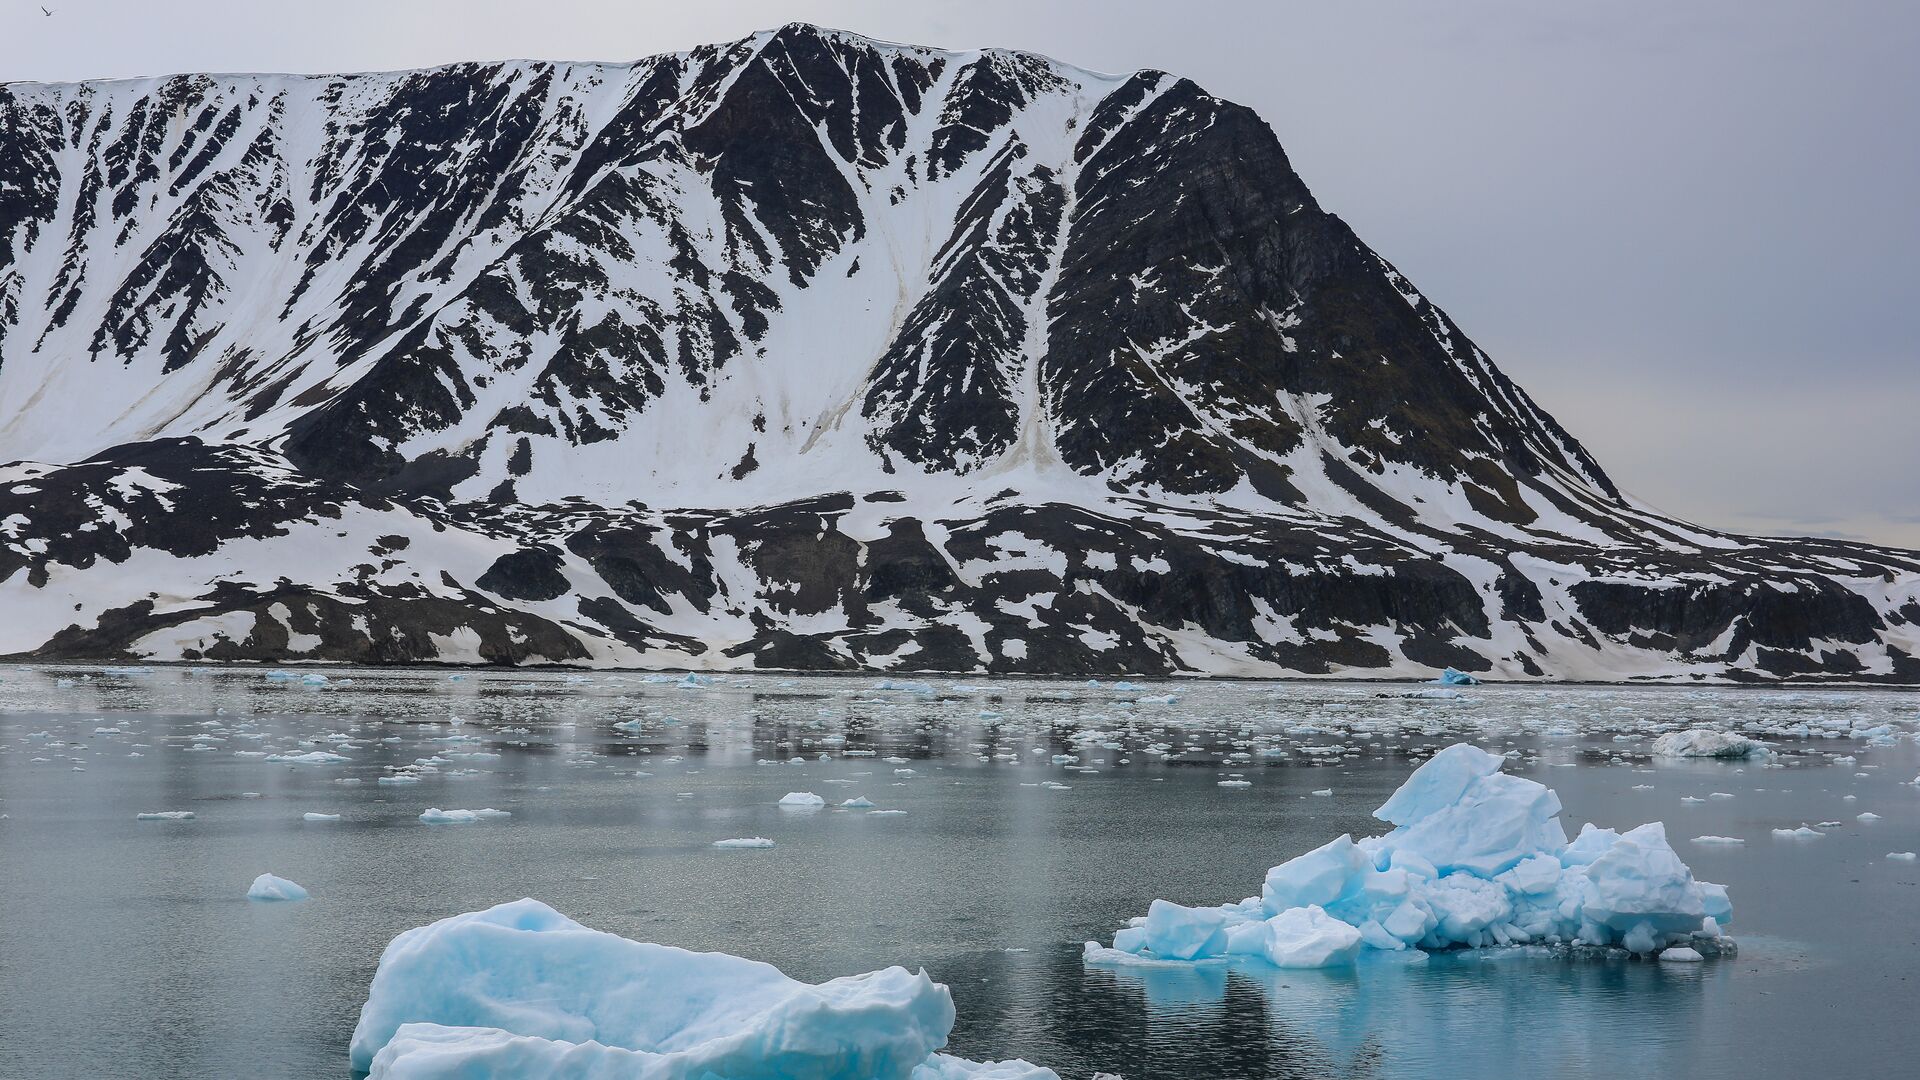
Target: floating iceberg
(744, 842)
(269, 887)
(311, 757)
(802, 800)
(520, 990)
(1702, 742)
(1477, 858)
(165, 815)
(1450, 677)
(437, 816)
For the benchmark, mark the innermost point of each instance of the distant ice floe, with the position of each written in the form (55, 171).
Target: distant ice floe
(744, 842)
(802, 800)
(437, 816)
(521, 990)
(1477, 858)
(1704, 742)
(269, 887)
(165, 815)
(312, 757)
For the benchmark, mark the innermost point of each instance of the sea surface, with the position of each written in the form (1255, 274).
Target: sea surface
(1038, 815)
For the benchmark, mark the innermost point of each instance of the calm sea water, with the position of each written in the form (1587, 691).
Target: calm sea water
(128, 950)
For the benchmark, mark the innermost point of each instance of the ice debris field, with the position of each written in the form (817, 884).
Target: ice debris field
(1476, 858)
(624, 798)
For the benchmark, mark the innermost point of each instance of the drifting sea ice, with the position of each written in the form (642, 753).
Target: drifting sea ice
(312, 757)
(1477, 858)
(269, 887)
(802, 800)
(437, 816)
(744, 842)
(521, 990)
(1702, 742)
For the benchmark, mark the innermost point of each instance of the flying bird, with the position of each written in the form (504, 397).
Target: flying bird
(47, 13)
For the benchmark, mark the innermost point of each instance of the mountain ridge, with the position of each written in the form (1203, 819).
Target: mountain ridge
(637, 330)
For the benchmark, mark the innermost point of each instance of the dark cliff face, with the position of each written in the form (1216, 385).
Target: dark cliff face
(798, 351)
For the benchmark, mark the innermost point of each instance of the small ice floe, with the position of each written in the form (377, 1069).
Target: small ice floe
(437, 816)
(311, 757)
(1720, 795)
(559, 999)
(165, 815)
(1322, 792)
(744, 842)
(802, 800)
(269, 887)
(1802, 833)
(1901, 856)
(1233, 783)
(885, 813)
(1451, 677)
(1717, 840)
(858, 802)
(905, 772)
(1680, 954)
(1704, 742)
(1868, 816)
(319, 817)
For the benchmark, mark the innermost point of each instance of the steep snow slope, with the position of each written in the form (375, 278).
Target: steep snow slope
(803, 350)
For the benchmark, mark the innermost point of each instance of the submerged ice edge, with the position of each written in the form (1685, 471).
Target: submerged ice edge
(519, 989)
(1476, 858)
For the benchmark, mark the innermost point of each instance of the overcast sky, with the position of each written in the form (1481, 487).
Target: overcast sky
(1691, 230)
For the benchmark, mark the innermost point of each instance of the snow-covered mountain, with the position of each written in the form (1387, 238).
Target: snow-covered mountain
(800, 351)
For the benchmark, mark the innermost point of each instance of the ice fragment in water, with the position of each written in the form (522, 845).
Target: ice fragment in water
(1477, 858)
(269, 887)
(520, 990)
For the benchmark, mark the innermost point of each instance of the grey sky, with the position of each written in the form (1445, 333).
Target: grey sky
(1690, 230)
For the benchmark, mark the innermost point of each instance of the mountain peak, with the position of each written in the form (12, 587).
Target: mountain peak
(907, 338)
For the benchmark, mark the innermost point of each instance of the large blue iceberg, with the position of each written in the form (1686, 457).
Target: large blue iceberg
(520, 990)
(1476, 858)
